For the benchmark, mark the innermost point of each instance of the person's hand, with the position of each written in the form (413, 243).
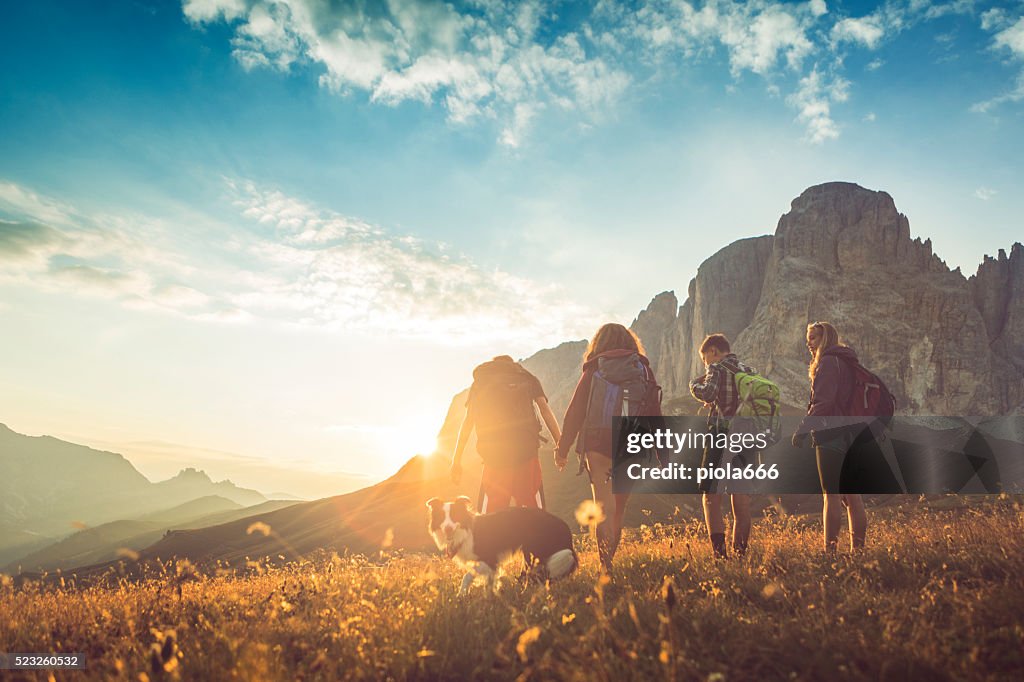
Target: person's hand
(799, 438)
(561, 459)
(456, 472)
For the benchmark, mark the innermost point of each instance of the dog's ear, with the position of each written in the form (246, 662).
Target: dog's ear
(433, 502)
(463, 499)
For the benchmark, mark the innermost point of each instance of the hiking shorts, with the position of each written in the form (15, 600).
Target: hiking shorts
(499, 486)
(853, 462)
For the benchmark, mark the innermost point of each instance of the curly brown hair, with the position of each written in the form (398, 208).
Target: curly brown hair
(613, 336)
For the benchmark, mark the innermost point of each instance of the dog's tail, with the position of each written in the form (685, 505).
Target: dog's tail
(562, 563)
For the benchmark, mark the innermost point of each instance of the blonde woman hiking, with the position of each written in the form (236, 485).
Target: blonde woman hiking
(831, 372)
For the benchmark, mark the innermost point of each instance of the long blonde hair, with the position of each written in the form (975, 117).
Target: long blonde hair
(829, 338)
(613, 336)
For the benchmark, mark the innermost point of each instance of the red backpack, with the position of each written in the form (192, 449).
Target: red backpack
(870, 396)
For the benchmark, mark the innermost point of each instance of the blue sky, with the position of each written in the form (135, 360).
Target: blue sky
(228, 212)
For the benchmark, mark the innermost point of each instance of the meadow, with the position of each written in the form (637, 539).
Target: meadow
(938, 594)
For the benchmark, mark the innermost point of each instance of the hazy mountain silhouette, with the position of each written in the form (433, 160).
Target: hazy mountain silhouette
(50, 488)
(106, 542)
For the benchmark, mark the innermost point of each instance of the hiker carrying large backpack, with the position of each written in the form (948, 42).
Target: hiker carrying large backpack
(500, 408)
(616, 381)
(847, 405)
(720, 389)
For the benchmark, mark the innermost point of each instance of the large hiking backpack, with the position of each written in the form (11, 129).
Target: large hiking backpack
(620, 387)
(507, 428)
(758, 408)
(870, 397)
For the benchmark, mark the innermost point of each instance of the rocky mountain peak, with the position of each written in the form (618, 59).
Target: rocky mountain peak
(843, 253)
(192, 475)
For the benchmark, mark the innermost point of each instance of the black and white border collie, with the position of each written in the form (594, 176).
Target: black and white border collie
(481, 541)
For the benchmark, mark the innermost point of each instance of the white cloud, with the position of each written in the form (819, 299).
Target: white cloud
(483, 63)
(870, 117)
(939, 10)
(1010, 38)
(211, 10)
(287, 262)
(995, 18)
(512, 135)
(758, 43)
(866, 30)
(370, 279)
(984, 193)
(508, 62)
(813, 99)
(875, 64)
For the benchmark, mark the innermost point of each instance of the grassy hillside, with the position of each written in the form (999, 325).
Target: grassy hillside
(938, 594)
(108, 541)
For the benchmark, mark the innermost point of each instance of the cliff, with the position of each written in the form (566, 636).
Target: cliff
(944, 344)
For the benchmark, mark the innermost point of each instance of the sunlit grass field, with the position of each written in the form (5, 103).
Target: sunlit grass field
(938, 594)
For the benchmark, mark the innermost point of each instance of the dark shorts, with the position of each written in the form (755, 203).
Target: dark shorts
(854, 462)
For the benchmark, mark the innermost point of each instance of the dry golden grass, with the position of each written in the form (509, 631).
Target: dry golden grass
(937, 595)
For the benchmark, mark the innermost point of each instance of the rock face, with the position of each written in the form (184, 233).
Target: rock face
(944, 344)
(998, 291)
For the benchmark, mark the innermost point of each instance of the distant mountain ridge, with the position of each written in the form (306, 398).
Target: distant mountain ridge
(50, 488)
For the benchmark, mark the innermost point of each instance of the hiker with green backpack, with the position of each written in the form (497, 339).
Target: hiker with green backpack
(739, 400)
(501, 409)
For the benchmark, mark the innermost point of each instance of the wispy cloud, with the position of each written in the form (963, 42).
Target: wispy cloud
(813, 101)
(485, 63)
(1008, 40)
(509, 62)
(984, 193)
(866, 30)
(285, 261)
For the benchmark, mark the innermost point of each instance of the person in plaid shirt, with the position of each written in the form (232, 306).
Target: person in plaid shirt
(717, 390)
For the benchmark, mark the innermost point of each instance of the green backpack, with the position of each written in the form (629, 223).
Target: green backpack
(759, 405)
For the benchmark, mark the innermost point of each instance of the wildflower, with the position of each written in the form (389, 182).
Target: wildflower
(589, 513)
(525, 640)
(258, 527)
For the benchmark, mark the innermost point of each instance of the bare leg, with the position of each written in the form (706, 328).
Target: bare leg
(610, 529)
(715, 522)
(740, 523)
(858, 520)
(832, 519)
(620, 513)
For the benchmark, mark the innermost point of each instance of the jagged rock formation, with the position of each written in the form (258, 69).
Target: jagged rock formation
(843, 253)
(998, 291)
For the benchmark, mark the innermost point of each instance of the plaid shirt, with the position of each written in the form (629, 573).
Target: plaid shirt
(718, 386)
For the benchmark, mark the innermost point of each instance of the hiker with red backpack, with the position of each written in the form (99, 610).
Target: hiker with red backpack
(616, 381)
(500, 408)
(847, 404)
(718, 390)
